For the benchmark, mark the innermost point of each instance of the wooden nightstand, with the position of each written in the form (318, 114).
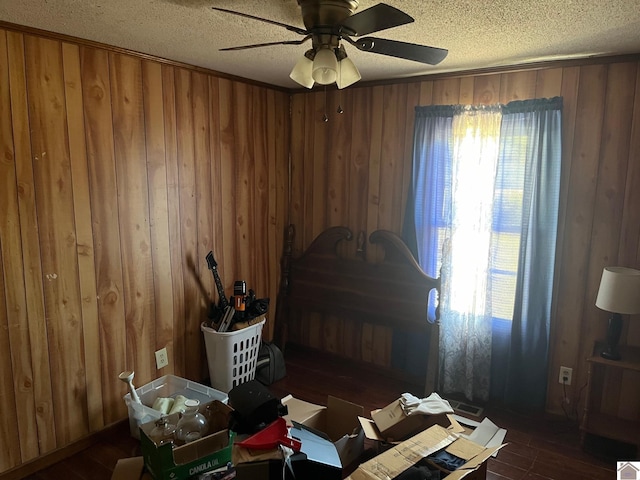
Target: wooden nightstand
(612, 405)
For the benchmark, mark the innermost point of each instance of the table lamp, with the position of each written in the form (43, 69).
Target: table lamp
(619, 293)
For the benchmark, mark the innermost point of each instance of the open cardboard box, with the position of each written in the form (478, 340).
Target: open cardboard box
(338, 420)
(317, 459)
(166, 462)
(393, 425)
(402, 456)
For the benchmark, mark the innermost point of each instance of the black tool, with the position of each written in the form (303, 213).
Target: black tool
(213, 266)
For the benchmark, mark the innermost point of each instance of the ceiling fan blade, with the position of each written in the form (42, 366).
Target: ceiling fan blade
(376, 18)
(291, 28)
(285, 42)
(394, 48)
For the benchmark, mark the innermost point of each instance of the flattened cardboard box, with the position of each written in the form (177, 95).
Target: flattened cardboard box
(130, 469)
(338, 420)
(399, 458)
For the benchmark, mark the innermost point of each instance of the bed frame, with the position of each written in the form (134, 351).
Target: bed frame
(393, 293)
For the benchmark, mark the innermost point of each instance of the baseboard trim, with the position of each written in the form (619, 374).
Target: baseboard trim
(55, 456)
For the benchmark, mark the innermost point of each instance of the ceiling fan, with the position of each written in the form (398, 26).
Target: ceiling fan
(327, 23)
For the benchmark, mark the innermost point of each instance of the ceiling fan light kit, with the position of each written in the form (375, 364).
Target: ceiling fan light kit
(348, 74)
(328, 22)
(325, 67)
(302, 72)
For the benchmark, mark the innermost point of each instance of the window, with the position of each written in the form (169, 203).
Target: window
(485, 198)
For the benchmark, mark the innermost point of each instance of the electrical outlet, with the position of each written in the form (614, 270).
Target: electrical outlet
(565, 375)
(162, 359)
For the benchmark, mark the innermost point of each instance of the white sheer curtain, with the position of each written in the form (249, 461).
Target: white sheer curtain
(465, 337)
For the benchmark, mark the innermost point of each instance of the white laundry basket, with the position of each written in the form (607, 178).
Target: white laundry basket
(232, 356)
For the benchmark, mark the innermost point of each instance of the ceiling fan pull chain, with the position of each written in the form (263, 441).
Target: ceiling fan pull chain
(325, 118)
(340, 110)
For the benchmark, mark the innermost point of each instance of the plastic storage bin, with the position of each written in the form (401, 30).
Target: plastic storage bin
(167, 386)
(232, 356)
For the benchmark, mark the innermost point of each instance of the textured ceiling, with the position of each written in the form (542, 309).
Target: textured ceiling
(477, 33)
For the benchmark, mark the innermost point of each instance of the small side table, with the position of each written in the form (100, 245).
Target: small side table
(612, 405)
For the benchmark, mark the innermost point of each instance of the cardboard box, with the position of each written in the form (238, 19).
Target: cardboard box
(317, 459)
(400, 457)
(257, 464)
(165, 462)
(448, 421)
(395, 425)
(130, 469)
(338, 420)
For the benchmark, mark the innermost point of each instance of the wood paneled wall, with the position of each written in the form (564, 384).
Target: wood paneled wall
(117, 175)
(354, 170)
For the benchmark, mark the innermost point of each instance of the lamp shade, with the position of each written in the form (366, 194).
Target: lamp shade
(325, 67)
(619, 290)
(301, 72)
(348, 74)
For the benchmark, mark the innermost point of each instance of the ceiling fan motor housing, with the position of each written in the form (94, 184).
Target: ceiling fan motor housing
(326, 13)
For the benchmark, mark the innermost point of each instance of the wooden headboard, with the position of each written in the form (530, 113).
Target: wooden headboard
(392, 293)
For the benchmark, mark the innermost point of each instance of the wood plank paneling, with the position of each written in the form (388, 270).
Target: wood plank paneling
(56, 225)
(259, 209)
(579, 214)
(152, 82)
(228, 160)
(84, 233)
(13, 318)
(133, 213)
(119, 174)
(517, 86)
(613, 158)
(392, 158)
(147, 164)
(243, 199)
(338, 155)
(188, 220)
(217, 198)
(11, 246)
(204, 195)
(317, 183)
(173, 213)
(375, 160)
(104, 211)
(31, 258)
(308, 178)
(486, 89)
